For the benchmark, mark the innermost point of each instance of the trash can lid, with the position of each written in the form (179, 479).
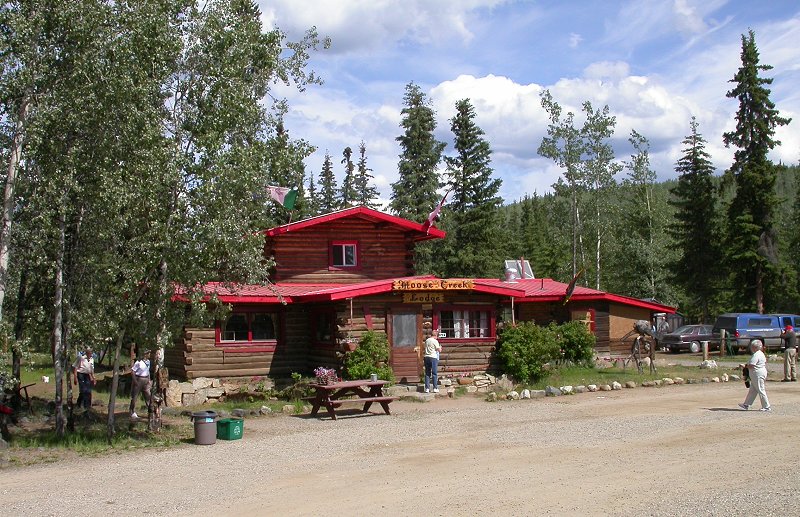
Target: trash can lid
(204, 414)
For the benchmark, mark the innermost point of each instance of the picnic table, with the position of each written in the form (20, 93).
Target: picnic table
(332, 395)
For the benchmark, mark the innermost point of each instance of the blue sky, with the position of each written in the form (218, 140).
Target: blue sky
(655, 63)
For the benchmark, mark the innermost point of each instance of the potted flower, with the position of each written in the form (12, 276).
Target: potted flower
(325, 375)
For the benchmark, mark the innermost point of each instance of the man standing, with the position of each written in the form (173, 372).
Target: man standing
(432, 349)
(83, 369)
(140, 379)
(789, 354)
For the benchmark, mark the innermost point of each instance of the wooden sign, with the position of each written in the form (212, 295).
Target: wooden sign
(433, 284)
(423, 297)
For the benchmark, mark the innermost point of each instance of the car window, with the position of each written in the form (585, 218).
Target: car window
(707, 329)
(686, 329)
(757, 323)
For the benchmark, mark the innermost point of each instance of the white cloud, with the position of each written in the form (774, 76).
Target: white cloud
(575, 40)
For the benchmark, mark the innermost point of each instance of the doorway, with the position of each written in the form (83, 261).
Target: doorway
(404, 338)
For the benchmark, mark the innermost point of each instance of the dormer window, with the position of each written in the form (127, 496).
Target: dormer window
(344, 254)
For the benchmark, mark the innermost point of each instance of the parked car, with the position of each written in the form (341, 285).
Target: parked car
(747, 327)
(689, 337)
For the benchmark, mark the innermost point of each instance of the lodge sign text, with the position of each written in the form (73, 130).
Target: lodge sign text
(433, 284)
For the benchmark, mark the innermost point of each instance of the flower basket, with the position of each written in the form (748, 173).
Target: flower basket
(325, 376)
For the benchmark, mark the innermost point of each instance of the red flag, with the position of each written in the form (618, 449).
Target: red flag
(432, 216)
(571, 286)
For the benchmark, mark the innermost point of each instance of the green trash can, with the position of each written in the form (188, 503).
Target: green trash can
(230, 428)
(205, 427)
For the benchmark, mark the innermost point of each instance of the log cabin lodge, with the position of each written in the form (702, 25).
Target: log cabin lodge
(341, 274)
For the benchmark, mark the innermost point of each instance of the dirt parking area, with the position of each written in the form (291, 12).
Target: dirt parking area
(675, 450)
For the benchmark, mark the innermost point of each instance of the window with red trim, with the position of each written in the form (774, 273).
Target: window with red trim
(344, 254)
(466, 323)
(249, 326)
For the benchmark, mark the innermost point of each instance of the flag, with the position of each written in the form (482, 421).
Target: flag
(571, 286)
(433, 215)
(285, 196)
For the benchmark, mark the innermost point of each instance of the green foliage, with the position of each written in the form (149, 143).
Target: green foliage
(524, 349)
(371, 356)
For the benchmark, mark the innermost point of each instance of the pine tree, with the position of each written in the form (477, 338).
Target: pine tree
(348, 191)
(473, 201)
(695, 228)
(414, 193)
(328, 201)
(366, 192)
(312, 203)
(751, 249)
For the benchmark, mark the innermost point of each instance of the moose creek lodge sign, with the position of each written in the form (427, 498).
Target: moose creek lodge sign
(433, 284)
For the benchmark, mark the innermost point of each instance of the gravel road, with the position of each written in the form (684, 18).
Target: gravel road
(675, 450)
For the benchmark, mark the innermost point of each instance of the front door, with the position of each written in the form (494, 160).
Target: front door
(404, 338)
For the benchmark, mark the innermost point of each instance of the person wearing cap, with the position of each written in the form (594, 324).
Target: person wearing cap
(789, 354)
(140, 373)
(83, 370)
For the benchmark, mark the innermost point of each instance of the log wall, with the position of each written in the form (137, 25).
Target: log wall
(302, 256)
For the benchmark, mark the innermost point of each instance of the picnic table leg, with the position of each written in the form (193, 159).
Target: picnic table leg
(331, 412)
(386, 407)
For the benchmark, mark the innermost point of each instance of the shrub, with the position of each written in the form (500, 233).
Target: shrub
(576, 341)
(371, 356)
(524, 349)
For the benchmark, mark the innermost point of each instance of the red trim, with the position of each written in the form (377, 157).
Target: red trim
(364, 213)
(231, 349)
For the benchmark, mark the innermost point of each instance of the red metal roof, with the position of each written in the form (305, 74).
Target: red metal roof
(523, 291)
(362, 212)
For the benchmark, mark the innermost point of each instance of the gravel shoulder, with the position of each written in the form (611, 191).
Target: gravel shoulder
(674, 450)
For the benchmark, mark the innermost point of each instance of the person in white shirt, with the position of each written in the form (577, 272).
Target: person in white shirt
(431, 359)
(83, 371)
(140, 383)
(757, 365)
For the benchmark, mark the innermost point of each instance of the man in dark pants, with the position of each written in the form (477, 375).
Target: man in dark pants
(84, 377)
(789, 354)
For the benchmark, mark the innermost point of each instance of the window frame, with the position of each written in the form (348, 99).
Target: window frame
(356, 255)
(592, 326)
(491, 317)
(250, 313)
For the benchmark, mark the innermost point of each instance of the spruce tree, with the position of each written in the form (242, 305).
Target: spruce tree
(695, 229)
(473, 202)
(366, 193)
(348, 191)
(328, 200)
(751, 249)
(312, 203)
(414, 193)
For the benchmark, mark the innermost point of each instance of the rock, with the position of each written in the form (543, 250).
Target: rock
(215, 393)
(446, 382)
(714, 379)
(525, 394)
(567, 390)
(708, 364)
(238, 412)
(552, 391)
(288, 409)
(491, 378)
(668, 381)
(491, 397)
(724, 377)
(174, 395)
(648, 384)
(265, 410)
(193, 399)
(201, 382)
(605, 387)
(538, 394)
(580, 389)
(505, 383)
(705, 380)
(735, 377)
(616, 386)
(186, 387)
(472, 389)
(512, 395)
(465, 381)
(630, 384)
(679, 380)
(216, 383)
(592, 387)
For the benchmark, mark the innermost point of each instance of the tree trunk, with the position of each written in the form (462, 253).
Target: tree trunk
(112, 397)
(154, 408)
(16, 353)
(58, 344)
(15, 154)
(759, 289)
